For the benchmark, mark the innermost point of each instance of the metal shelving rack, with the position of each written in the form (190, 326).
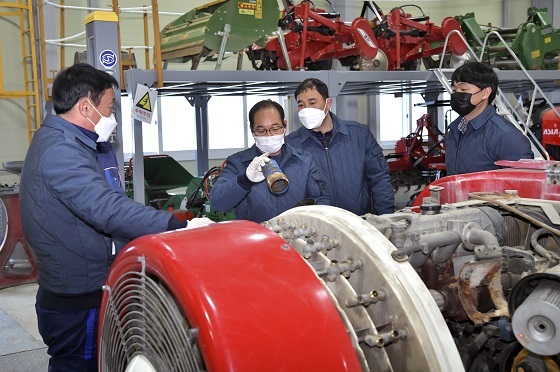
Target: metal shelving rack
(339, 82)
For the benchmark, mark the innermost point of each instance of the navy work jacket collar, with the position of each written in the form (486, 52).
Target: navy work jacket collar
(483, 117)
(56, 122)
(338, 127)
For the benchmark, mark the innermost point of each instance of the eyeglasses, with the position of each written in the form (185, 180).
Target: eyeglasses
(275, 130)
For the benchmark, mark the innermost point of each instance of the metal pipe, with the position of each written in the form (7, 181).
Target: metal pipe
(497, 49)
(424, 245)
(550, 256)
(225, 35)
(479, 237)
(439, 298)
(282, 42)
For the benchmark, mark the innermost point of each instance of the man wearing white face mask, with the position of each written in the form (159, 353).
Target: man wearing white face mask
(242, 185)
(349, 157)
(75, 214)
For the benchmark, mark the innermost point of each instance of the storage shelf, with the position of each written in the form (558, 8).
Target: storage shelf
(238, 83)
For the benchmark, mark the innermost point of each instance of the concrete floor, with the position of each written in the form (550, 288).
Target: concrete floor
(21, 346)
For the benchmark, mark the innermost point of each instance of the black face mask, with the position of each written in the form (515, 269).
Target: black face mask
(461, 102)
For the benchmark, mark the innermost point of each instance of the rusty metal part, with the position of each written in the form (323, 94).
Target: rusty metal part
(480, 291)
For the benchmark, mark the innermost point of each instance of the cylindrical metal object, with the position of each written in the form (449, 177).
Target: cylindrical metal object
(536, 321)
(276, 180)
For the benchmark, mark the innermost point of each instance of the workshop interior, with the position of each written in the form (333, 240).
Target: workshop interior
(464, 275)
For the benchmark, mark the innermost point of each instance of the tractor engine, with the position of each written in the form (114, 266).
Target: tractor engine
(471, 285)
(481, 262)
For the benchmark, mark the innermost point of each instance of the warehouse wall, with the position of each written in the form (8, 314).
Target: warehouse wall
(486, 11)
(13, 125)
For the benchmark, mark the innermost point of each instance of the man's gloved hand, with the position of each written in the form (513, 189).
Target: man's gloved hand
(254, 170)
(199, 221)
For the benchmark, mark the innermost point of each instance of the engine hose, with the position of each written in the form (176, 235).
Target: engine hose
(473, 350)
(191, 199)
(533, 220)
(550, 256)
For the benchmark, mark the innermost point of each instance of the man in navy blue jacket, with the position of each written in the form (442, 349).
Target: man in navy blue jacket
(242, 185)
(75, 214)
(349, 157)
(480, 137)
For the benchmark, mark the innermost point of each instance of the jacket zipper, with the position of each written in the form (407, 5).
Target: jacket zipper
(333, 197)
(457, 152)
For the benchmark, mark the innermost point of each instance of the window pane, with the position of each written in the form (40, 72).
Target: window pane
(417, 111)
(225, 122)
(149, 131)
(178, 124)
(392, 118)
(450, 115)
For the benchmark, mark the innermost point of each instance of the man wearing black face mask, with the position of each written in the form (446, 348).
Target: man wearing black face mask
(480, 137)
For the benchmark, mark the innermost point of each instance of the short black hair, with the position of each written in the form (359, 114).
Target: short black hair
(479, 74)
(312, 83)
(261, 105)
(79, 81)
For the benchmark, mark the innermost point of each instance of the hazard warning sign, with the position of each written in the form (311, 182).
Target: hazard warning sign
(144, 100)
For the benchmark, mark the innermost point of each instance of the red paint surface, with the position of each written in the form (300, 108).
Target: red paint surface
(258, 305)
(529, 179)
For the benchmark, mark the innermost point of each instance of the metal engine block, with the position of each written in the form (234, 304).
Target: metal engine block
(490, 265)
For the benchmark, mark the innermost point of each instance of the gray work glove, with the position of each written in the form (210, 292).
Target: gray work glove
(254, 170)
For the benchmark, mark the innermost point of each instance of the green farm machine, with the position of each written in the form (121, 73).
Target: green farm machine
(169, 186)
(217, 27)
(536, 43)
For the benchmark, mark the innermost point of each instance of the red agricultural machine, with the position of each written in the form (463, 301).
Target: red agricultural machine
(404, 39)
(313, 39)
(546, 126)
(394, 41)
(418, 157)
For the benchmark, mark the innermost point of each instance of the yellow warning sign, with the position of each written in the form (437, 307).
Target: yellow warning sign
(242, 5)
(145, 102)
